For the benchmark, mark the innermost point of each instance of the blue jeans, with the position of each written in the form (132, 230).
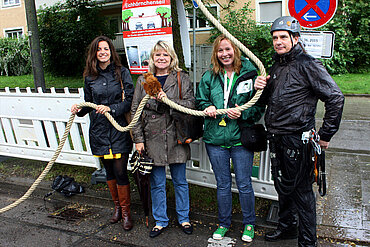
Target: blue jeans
(158, 192)
(242, 160)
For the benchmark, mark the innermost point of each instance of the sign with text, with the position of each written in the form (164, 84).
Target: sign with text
(319, 44)
(312, 13)
(144, 22)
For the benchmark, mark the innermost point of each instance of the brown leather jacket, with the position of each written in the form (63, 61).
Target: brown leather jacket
(156, 127)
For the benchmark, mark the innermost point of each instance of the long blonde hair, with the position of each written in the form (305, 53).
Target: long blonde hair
(217, 65)
(163, 45)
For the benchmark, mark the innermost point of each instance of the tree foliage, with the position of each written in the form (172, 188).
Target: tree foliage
(15, 58)
(66, 29)
(126, 15)
(352, 37)
(257, 38)
(165, 14)
(350, 25)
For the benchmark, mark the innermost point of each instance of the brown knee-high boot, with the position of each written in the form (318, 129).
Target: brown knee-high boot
(125, 201)
(117, 214)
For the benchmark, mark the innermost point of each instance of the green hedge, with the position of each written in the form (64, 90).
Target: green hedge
(15, 58)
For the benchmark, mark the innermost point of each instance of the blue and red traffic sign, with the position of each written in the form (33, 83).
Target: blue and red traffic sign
(312, 13)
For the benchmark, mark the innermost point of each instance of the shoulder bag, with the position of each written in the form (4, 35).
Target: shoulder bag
(254, 137)
(188, 127)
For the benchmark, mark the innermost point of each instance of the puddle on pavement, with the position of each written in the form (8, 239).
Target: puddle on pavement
(71, 212)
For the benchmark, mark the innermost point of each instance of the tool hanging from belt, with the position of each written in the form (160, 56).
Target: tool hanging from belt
(318, 159)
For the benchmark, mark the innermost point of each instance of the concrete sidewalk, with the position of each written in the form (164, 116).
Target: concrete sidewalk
(34, 223)
(345, 212)
(84, 222)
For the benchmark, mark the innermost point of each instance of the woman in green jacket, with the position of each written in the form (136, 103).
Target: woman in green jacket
(228, 84)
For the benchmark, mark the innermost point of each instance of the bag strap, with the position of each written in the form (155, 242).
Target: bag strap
(179, 83)
(123, 91)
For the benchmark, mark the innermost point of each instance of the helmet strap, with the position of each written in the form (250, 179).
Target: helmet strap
(291, 39)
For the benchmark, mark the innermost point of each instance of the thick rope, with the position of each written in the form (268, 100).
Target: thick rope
(63, 140)
(242, 48)
(46, 170)
(218, 111)
(141, 107)
(113, 121)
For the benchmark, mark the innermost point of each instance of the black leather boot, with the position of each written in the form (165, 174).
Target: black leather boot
(276, 235)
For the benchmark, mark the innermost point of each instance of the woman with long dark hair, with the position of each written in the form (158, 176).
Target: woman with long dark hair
(109, 85)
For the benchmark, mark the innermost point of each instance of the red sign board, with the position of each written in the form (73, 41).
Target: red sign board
(312, 13)
(144, 22)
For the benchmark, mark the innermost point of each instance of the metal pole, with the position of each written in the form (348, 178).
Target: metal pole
(194, 50)
(34, 41)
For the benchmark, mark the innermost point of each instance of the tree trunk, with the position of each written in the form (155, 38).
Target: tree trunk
(34, 40)
(176, 35)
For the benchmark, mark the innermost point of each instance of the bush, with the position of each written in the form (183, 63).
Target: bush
(15, 58)
(352, 38)
(66, 29)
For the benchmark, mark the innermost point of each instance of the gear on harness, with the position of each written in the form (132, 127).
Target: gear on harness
(318, 158)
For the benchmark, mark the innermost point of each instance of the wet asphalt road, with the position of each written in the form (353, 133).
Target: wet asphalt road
(343, 215)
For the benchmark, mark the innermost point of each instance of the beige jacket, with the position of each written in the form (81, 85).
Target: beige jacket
(156, 127)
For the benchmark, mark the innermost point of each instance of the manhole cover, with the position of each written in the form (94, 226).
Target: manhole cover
(72, 212)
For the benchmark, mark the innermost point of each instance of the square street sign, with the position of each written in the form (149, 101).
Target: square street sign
(319, 44)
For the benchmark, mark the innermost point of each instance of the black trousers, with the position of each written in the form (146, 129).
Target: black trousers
(292, 172)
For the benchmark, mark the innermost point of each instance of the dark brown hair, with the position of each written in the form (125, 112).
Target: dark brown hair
(217, 65)
(92, 61)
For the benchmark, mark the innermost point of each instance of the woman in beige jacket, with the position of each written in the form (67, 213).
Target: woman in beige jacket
(156, 134)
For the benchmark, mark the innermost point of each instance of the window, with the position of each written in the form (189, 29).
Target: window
(269, 11)
(14, 33)
(8, 3)
(114, 23)
(201, 20)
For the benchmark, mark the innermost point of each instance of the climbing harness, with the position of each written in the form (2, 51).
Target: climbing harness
(141, 107)
(312, 160)
(283, 185)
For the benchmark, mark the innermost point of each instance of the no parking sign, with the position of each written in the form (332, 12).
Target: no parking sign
(312, 13)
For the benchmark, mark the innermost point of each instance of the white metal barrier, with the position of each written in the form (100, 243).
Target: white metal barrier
(31, 122)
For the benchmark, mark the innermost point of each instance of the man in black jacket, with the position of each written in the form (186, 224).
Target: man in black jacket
(291, 90)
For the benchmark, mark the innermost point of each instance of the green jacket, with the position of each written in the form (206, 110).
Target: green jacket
(211, 92)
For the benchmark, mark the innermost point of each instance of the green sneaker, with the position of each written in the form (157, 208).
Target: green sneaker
(248, 233)
(220, 233)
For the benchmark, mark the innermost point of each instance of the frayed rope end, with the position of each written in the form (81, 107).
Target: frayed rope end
(151, 84)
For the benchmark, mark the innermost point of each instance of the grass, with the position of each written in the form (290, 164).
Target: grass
(50, 81)
(353, 83)
(348, 83)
